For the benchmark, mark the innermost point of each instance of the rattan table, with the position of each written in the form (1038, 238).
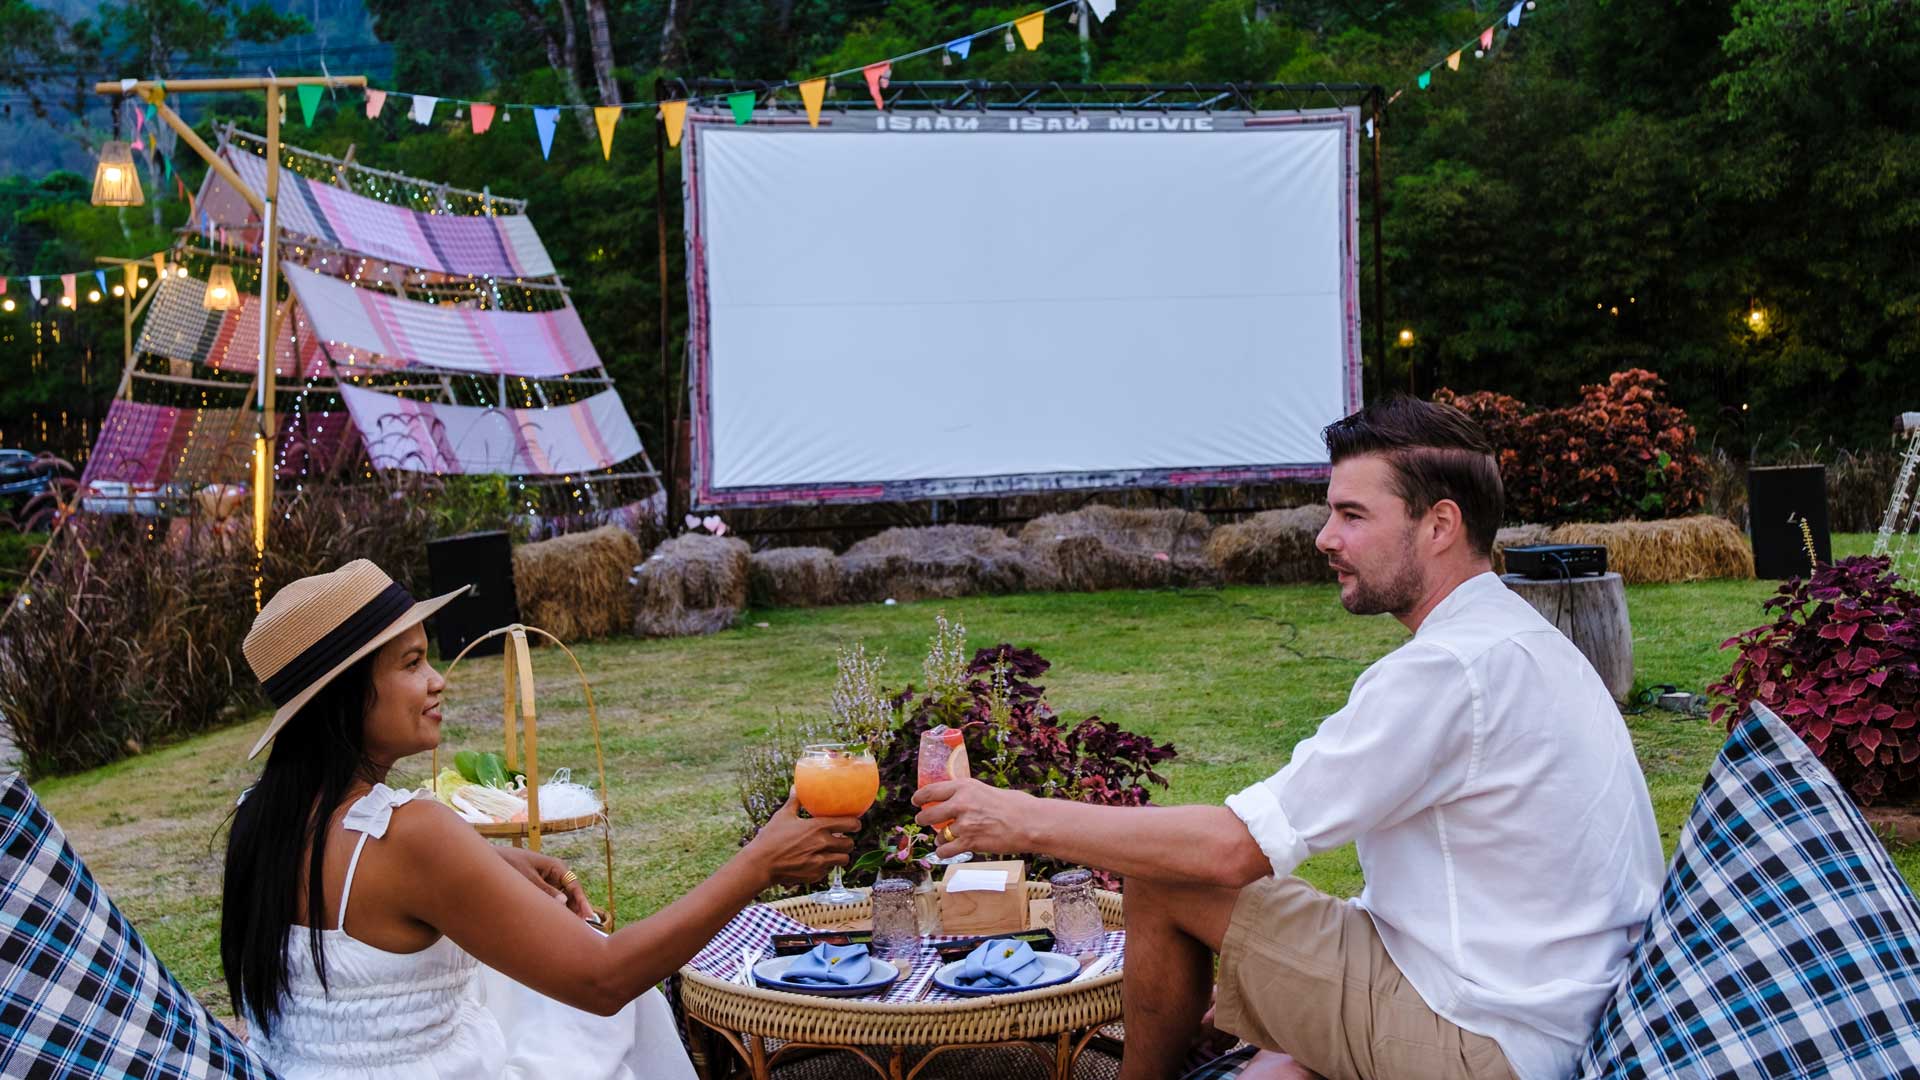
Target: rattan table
(764, 1026)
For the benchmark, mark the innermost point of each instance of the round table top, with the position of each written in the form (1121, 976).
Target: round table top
(807, 1018)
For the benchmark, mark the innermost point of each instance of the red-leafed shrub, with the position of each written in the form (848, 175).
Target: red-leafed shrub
(1622, 452)
(1841, 665)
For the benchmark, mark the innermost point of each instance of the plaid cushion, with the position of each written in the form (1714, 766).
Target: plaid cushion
(80, 995)
(1784, 942)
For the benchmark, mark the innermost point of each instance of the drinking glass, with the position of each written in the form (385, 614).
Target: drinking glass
(836, 780)
(896, 924)
(1077, 928)
(943, 756)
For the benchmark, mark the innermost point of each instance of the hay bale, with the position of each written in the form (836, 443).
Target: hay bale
(1517, 536)
(936, 562)
(1271, 548)
(1103, 547)
(575, 586)
(793, 577)
(1679, 549)
(694, 584)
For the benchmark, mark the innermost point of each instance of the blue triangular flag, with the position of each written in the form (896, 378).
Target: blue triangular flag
(1513, 17)
(544, 117)
(960, 47)
(101, 277)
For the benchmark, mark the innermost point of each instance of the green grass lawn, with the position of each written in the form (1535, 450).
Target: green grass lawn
(1232, 677)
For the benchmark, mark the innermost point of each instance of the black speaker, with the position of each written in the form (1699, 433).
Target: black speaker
(1778, 499)
(483, 560)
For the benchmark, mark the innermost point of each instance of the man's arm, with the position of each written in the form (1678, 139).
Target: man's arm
(1192, 844)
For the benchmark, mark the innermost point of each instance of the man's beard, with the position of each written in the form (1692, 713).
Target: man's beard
(1396, 594)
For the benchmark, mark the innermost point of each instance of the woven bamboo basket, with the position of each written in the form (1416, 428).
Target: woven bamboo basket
(520, 723)
(1050, 1014)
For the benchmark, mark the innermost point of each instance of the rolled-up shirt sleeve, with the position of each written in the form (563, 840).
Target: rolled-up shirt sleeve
(1407, 737)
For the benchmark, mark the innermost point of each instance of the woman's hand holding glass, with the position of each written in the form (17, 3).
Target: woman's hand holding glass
(795, 850)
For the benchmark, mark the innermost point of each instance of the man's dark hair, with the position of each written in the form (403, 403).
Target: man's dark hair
(1437, 452)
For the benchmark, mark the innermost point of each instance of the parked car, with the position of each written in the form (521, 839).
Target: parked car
(23, 475)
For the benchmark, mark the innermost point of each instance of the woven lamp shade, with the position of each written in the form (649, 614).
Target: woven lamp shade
(221, 294)
(115, 180)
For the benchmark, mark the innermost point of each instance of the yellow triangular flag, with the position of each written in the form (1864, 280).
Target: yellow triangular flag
(813, 92)
(675, 114)
(160, 263)
(1031, 28)
(1453, 62)
(606, 116)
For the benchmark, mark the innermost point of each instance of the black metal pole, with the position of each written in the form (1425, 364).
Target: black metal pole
(667, 434)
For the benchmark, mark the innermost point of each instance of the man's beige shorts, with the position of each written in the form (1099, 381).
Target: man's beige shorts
(1307, 974)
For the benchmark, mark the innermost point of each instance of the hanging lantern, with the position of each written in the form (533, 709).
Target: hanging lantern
(115, 181)
(221, 294)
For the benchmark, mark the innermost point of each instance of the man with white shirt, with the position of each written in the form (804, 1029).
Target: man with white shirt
(1481, 769)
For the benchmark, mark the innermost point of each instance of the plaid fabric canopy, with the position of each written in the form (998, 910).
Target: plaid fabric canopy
(422, 436)
(80, 993)
(179, 327)
(369, 327)
(1784, 943)
(152, 444)
(505, 245)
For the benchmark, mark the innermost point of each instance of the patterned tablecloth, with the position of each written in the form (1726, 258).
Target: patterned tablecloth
(754, 929)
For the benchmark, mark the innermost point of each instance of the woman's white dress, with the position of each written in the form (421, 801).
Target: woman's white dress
(438, 1013)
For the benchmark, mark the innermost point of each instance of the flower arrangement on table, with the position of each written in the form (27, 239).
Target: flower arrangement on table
(1014, 739)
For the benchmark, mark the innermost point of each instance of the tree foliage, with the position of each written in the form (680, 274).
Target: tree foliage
(1618, 184)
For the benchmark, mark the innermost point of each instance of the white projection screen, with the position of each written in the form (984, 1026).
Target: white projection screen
(954, 304)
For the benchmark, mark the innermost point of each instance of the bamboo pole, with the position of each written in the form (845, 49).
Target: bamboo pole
(188, 86)
(214, 161)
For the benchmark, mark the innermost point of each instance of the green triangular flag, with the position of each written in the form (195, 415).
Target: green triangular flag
(166, 161)
(742, 106)
(309, 101)
(151, 119)
(1426, 78)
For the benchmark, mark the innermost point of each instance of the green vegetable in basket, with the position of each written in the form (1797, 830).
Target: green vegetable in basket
(492, 770)
(467, 763)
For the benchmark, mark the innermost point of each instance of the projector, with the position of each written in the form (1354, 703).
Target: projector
(1552, 562)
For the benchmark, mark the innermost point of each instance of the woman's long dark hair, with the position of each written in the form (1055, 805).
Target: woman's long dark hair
(315, 758)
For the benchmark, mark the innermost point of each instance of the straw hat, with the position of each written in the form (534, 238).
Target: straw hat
(317, 627)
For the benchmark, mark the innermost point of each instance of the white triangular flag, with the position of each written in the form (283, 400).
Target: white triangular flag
(1101, 8)
(127, 85)
(423, 108)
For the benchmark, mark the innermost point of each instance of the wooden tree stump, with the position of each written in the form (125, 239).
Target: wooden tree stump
(1592, 611)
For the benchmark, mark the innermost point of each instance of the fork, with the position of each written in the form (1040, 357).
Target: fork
(749, 956)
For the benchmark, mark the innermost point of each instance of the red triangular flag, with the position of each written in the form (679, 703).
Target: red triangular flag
(482, 114)
(1486, 38)
(877, 76)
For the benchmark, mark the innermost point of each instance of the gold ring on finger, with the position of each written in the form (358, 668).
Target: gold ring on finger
(569, 877)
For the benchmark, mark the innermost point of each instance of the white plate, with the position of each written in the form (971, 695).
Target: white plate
(770, 973)
(1058, 969)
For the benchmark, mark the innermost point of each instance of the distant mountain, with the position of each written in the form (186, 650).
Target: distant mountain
(342, 40)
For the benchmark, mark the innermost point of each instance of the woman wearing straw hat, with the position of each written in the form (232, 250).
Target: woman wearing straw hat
(369, 933)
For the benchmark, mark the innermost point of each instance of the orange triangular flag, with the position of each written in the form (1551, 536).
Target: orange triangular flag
(606, 116)
(877, 76)
(812, 93)
(1453, 62)
(482, 115)
(675, 115)
(1031, 28)
(160, 263)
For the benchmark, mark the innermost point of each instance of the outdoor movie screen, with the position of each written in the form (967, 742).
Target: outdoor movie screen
(949, 304)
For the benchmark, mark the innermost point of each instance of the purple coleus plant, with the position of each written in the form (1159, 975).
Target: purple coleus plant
(1840, 663)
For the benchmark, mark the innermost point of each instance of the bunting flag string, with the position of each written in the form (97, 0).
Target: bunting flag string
(69, 280)
(1030, 27)
(1480, 46)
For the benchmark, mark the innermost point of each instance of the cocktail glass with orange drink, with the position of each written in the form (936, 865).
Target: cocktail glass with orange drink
(836, 780)
(943, 756)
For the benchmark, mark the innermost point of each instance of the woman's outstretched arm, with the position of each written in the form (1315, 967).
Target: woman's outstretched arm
(446, 876)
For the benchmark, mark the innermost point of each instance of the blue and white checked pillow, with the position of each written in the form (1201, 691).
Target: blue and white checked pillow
(80, 994)
(1784, 943)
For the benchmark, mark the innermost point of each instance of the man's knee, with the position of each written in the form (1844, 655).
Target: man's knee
(1199, 911)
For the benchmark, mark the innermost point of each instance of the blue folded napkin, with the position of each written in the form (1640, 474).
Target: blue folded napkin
(830, 965)
(1000, 962)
